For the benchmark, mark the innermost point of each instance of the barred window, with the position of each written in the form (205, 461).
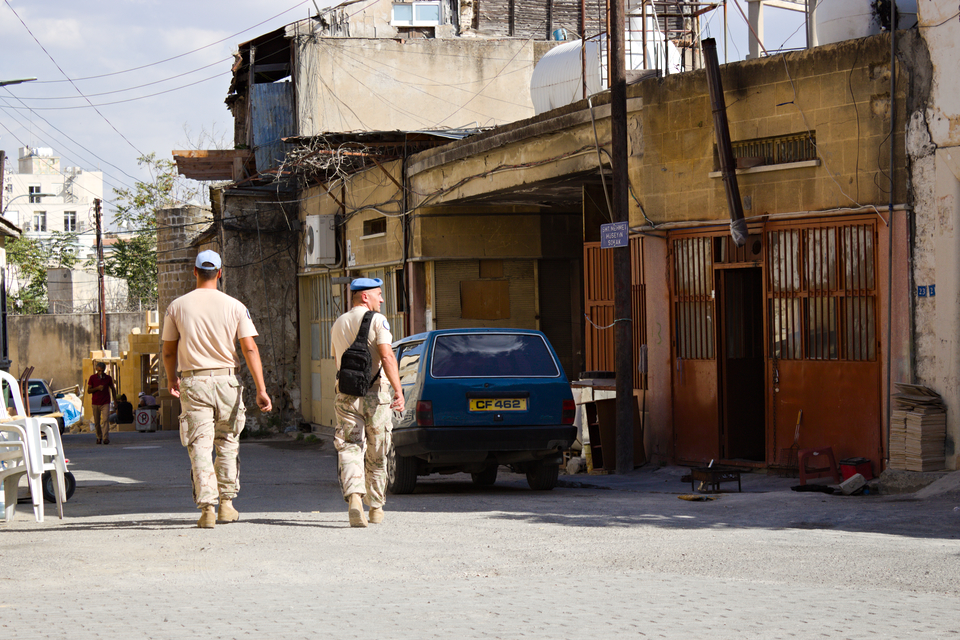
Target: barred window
(821, 292)
(693, 297)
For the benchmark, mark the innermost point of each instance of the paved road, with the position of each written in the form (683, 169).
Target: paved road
(454, 561)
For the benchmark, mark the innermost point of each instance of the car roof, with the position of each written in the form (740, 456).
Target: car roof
(439, 332)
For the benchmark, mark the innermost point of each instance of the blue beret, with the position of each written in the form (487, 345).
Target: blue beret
(362, 284)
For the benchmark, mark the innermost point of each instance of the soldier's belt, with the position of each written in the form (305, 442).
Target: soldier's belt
(206, 372)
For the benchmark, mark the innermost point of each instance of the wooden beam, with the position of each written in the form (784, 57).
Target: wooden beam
(387, 173)
(329, 193)
(267, 68)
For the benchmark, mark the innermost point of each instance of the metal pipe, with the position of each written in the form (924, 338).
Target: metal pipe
(623, 330)
(738, 226)
(893, 123)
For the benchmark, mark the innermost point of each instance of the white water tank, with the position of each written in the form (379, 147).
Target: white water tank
(839, 20)
(556, 80)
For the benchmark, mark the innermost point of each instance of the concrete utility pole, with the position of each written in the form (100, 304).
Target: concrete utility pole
(103, 310)
(623, 329)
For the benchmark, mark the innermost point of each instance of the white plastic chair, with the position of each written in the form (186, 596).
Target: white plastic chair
(51, 450)
(20, 453)
(29, 446)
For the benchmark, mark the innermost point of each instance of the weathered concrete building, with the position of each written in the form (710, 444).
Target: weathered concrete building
(739, 340)
(847, 183)
(372, 68)
(933, 149)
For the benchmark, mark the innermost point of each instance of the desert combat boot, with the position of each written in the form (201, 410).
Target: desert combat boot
(357, 517)
(227, 513)
(376, 515)
(208, 518)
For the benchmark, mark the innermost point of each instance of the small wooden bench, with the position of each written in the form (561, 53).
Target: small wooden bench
(711, 477)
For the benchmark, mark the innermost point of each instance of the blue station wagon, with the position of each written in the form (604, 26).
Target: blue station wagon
(477, 399)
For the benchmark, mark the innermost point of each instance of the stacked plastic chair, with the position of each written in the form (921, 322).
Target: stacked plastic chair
(28, 447)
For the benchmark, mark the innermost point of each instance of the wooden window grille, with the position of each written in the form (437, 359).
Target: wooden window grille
(599, 308)
(780, 149)
(693, 298)
(323, 308)
(822, 292)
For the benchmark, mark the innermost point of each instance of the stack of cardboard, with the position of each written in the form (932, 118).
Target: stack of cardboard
(918, 429)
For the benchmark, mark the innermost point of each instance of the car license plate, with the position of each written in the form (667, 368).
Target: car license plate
(498, 404)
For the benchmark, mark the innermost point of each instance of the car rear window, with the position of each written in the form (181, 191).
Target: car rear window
(36, 388)
(492, 355)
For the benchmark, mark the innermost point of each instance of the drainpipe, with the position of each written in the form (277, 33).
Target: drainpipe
(738, 226)
(893, 124)
(405, 221)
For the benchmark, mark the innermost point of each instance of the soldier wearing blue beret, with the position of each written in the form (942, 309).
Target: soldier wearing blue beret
(363, 422)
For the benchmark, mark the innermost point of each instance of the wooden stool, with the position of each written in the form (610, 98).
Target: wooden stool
(819, 471)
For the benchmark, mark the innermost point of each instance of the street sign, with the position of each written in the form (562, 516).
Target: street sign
(615, 234)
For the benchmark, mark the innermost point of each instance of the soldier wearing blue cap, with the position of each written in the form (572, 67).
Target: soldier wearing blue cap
(363, 423)
(199, 335)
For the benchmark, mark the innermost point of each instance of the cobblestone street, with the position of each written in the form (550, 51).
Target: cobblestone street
(456, 561)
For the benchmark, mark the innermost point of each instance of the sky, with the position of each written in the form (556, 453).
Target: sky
(156, 73)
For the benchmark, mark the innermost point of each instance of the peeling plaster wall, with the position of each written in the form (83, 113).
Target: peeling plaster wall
(409, 85)
(260, 251)
(933, 148)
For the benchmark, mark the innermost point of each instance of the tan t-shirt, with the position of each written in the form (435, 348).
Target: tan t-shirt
(207, 322)
(345, 329)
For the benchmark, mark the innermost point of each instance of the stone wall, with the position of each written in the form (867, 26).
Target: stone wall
(178, 230)
(260, 252)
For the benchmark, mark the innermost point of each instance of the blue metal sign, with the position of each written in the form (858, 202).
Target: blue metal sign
(615, 234)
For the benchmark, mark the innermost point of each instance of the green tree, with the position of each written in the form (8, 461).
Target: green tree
(135, 258)
(64, 250)
(26, 276)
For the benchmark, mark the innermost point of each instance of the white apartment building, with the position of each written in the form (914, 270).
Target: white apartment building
(42, 198)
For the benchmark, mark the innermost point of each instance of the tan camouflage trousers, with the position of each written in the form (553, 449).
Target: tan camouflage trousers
(363, 433)
(211, 418)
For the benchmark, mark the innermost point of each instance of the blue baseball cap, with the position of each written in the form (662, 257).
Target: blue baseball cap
(362, 284)
(208, 260)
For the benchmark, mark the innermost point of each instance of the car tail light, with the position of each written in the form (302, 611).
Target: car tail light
(569, 411)
(46, 402)
(425, 413)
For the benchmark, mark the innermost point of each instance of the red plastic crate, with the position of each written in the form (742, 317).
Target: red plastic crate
(849, 467)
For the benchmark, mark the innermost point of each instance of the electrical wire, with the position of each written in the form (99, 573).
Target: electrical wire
(105, 104)
(502, 69)
(939, 24)
(59, 68)
(64, 134)
(139, 86)
(181, 55)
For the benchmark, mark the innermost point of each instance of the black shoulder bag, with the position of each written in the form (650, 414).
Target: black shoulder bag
(354, 373)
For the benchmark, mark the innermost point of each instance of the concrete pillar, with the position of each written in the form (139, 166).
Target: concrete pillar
(947, 313)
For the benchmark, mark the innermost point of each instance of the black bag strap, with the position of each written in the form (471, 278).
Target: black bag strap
(361, 339)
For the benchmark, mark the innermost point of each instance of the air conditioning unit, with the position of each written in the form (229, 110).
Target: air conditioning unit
(319, 241)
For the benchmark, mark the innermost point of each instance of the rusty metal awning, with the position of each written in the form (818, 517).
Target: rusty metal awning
(215, 164)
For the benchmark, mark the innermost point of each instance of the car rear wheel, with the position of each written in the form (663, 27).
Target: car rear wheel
(485, 478)
(401, 473)
(542, 476)
(49, 486)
